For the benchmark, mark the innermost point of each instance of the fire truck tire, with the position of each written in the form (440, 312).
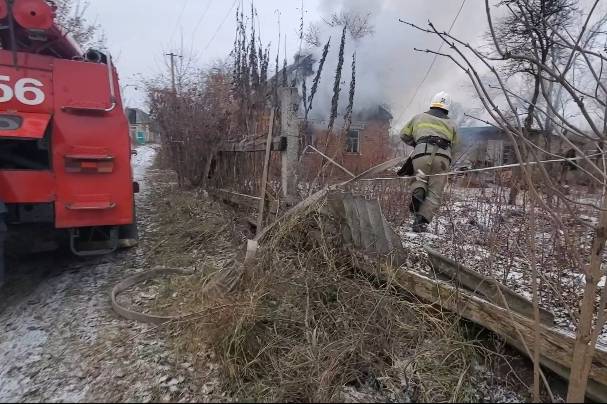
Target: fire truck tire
(128, 235)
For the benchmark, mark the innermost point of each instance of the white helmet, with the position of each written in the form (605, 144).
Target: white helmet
(441, 100)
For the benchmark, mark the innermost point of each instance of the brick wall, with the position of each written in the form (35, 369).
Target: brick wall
(374, 148)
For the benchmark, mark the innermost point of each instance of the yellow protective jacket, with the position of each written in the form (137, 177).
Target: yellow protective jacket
(431, 124)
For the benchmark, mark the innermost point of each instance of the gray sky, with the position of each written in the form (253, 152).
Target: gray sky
(139, 32)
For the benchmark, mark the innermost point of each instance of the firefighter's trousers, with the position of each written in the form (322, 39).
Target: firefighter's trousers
(433, 186)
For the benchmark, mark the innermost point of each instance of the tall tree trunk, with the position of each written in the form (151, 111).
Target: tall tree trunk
(583, 350)
(585, 343)
(517, 177)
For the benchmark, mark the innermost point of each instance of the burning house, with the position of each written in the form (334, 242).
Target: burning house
(364, 145)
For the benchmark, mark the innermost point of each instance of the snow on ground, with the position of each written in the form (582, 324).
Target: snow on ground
(143, 160)
(59, 338)
(477, 228)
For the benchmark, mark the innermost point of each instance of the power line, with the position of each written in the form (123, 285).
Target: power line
(492, 168)
(220, 26)
(433, 62)
(204, 13)
(185, 4)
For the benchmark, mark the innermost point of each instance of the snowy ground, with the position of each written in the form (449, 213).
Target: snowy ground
(478, 229)
(142, 161)
(59, 338)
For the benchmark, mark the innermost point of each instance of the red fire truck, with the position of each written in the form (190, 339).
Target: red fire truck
(65, 149)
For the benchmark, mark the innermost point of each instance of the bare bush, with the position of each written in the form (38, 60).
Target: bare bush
(194, 122)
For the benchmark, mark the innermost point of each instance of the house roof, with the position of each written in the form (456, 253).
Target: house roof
(137, 116)
(480, 133)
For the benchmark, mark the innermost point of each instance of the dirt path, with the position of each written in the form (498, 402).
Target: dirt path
(60, 340)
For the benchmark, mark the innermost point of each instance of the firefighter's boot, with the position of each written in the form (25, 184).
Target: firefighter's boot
(417, 199)
(420, 224)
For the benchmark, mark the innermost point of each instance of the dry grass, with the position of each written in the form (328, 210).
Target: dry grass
(303, 326)
(188, 230)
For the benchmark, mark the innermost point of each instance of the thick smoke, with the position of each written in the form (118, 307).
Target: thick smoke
(388, 68)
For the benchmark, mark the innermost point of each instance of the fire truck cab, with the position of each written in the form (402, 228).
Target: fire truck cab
(65, 149)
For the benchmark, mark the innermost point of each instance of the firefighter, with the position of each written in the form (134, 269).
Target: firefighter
(432, 134)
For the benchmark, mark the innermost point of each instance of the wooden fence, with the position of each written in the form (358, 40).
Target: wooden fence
(260, 174)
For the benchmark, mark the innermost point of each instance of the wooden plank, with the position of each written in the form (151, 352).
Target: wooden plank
(264, 176)
(278, 143)
(556, 346)
(243, 200)
(479, 283)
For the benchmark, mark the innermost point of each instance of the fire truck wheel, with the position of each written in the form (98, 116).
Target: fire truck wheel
(129, 234)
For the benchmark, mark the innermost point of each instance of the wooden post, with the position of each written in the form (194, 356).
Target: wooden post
(264, 175)
(289, 104)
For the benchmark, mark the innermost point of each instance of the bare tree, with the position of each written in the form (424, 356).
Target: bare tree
(71, 15)
(312, 36)
(581, 44)
(358, 25)
(528, 29)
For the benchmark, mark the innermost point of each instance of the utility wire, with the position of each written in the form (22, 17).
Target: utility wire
(220, 26)
(185, 4)
(433, 62)
(204, 13)
(493, 168)
(197, 26)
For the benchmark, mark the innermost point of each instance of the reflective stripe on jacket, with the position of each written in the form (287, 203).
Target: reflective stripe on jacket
(425, 125)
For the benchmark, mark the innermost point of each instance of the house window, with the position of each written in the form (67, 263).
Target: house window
(353, 142)
(509, 154)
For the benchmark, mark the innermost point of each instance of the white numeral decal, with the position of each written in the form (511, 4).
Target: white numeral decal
(29, 86)
(28, 91)
(6, 90)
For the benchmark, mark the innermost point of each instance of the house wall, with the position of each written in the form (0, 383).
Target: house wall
(374, 148)
(491, 147)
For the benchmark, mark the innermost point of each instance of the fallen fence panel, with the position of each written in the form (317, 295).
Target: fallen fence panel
(556, 346)
(248, 201)
(475, 281)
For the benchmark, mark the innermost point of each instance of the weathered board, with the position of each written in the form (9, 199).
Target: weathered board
(248, 201)
(279, 143)
(448, 269)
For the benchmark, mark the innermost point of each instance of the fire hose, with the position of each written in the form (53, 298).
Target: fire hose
(140, 278)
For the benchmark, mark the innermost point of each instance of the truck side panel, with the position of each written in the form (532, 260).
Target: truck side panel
(26, 186)
(91, 148)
